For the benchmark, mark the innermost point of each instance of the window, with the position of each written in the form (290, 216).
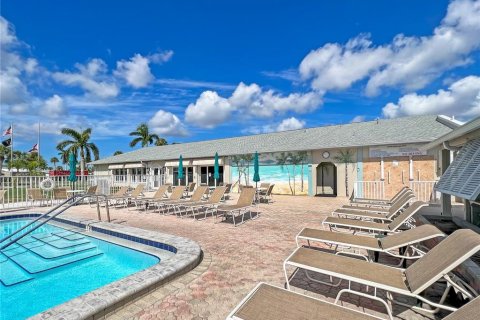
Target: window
(206, 176)
(119, 175)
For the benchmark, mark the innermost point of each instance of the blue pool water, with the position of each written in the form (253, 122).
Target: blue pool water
(53, 265)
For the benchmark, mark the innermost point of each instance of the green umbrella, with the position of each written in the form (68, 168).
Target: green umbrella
(216, 169)
(72, 161)
(180, 169)
(256, 169)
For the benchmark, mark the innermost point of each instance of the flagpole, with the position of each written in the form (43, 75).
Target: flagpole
(38, 143)
(11, 149)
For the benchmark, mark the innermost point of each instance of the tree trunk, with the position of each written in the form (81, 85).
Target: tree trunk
(82, 163)
(346, 179)
(294, 181)
(1, 164)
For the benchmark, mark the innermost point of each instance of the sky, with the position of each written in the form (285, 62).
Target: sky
(197, 70)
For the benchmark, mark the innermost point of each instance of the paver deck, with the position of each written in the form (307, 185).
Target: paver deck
(235, 260)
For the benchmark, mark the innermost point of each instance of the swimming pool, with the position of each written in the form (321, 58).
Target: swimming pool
(53, 265)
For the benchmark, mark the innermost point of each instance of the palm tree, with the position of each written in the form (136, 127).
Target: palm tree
(116, 153)
(345, 157)
(79, 144)
(54, 160)
(4, 155)
(161, 142)
(143, 136)
(63, 154)
(302, 157)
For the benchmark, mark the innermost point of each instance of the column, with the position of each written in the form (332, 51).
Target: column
(445, 199)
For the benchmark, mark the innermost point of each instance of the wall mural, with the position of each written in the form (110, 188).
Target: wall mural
(287, 170)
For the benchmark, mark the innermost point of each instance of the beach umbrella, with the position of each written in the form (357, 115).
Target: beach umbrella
(180, 169)
(256, 169)
(216, 169)
(72, 161)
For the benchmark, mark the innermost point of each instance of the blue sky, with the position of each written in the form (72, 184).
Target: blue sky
(196, 70)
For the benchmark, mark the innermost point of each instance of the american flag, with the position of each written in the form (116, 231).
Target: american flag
(34, 148)
(8, 131)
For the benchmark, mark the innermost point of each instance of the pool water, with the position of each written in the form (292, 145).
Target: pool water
(53, 265)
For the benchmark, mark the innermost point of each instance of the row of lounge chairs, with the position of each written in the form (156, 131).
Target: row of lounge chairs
(198, 203)
(347, 262)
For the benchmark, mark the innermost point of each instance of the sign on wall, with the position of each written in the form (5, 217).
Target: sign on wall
(396, 151)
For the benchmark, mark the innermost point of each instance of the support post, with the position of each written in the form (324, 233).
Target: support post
(446, 199)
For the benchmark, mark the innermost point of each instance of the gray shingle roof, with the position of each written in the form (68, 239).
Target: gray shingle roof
(416, 129)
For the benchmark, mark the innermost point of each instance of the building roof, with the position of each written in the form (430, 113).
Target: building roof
(415, 129)
(467, 128)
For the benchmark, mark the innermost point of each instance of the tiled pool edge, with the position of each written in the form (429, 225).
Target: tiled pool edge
(100, 302)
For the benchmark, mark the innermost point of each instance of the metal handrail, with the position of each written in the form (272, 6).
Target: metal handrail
(44, 222)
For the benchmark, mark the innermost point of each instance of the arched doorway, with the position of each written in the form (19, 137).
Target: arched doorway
(326, 180)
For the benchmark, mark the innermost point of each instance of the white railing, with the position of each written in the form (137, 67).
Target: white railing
(15, 188)
(424, 190)
(369, 189)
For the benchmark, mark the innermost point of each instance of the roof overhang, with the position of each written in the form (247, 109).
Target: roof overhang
(457, 137)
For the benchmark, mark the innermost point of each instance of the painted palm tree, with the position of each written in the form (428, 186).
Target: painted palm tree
(302, 157)
(345, 157)
(80, 145)
(54, 160)
(284, 160)
(143, 136)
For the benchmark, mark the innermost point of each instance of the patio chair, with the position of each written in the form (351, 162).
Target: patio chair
(228, 189)
(436, 265)
(60, 194)
(177, 194)
(198, 195)
(381, 202)
(189, 189)
(379, 214)
(144, 202)
(267, 194)
(404, 218)
(136, 194)
(404, 245)
(36, 195)
(268, 302)
(195, 207)
(381, 208)
(244, 203)
(117, 195)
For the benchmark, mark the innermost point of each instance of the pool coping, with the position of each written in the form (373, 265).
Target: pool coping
(104, 300)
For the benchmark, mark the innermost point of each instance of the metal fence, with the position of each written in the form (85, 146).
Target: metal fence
(14, 191)
(424, 190)
(369, 189)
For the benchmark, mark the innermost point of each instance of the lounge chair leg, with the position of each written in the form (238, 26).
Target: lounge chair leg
(389, 310)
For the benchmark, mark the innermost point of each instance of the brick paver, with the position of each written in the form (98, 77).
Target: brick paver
(235, 260)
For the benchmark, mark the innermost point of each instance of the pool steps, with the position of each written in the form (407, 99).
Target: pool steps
(42, 251)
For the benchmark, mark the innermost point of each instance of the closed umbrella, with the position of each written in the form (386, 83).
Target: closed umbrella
(216, 169)
(256, 169)
(72, 161)
(180, 169)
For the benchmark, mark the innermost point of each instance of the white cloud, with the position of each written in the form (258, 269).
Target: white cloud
(91, 77)
(209, 110)
(161, 57)
(136, 71)
(406, 62)
(291, 123)
(7, 33)
(167, 124)
(462, 99)
(53, 107)
(358, 119)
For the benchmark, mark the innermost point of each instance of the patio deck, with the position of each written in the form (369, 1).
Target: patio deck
(235, 260)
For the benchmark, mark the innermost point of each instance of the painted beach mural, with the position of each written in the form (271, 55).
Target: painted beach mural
(287, 170)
